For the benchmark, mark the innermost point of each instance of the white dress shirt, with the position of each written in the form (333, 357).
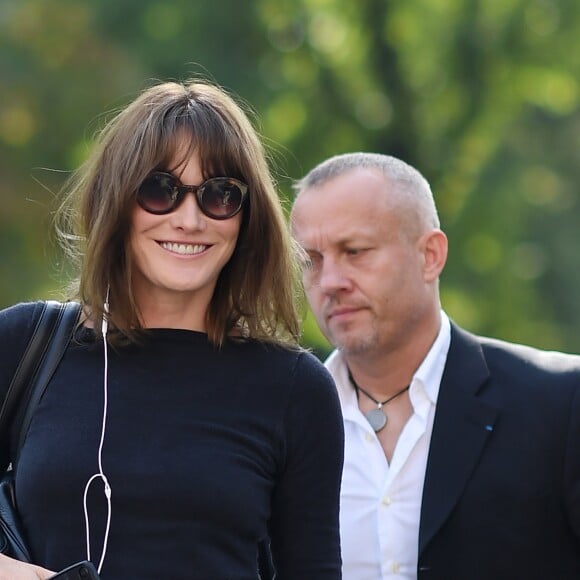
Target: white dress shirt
(380, 504)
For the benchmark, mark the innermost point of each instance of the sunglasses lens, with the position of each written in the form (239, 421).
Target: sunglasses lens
(222, 198)
(219, 198)
(157, 193)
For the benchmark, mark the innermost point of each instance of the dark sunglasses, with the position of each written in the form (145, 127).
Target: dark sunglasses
(219, 198)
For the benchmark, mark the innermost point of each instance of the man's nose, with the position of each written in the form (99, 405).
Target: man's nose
(333, 277)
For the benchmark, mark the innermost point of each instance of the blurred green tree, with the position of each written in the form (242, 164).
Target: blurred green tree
(482, 96)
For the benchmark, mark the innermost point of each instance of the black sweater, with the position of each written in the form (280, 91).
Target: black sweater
(207, 451)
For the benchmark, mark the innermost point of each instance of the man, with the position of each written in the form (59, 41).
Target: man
(462, 453)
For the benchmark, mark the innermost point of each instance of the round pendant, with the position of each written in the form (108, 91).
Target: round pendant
(377, 419)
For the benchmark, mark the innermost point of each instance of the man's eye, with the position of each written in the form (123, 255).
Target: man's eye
(311, 262)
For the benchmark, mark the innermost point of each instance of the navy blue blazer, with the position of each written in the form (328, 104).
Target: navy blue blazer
(501, 499)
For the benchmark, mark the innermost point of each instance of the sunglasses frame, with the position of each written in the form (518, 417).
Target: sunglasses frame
(179, 191)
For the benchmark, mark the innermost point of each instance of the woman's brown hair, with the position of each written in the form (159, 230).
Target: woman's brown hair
(257, 289)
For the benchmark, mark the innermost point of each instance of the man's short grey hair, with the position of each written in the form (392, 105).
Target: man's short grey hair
(405, 178)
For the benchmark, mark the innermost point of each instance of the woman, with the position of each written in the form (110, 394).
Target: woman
(184, 396)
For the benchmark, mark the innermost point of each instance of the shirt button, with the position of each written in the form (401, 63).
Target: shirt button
(395, 567)
(387, 500)
(369, 437)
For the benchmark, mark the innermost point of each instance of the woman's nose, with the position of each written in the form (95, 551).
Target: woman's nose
(187, 216)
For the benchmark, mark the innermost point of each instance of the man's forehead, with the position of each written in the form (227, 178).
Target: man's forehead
(318, 233)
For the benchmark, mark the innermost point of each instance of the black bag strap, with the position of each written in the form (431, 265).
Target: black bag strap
(45, 349)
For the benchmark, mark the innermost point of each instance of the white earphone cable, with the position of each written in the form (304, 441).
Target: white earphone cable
(101, 474)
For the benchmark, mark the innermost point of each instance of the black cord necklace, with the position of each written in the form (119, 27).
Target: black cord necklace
(376, 417)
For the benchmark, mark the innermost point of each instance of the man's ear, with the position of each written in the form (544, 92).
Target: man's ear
(433, 245)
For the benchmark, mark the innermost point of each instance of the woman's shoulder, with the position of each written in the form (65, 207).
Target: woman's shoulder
(313, 378)
(17, 324)
(292, 364)
(307, 373)
(20, 317)
(292, 355)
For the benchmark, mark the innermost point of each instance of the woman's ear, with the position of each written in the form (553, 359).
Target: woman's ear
(433, 245)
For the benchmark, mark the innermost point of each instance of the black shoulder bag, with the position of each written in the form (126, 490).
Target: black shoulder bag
(43, 354)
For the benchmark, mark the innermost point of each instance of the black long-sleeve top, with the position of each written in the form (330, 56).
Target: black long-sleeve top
(207, 451)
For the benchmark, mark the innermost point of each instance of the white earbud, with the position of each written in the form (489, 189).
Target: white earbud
(105, 321)
(101, 474)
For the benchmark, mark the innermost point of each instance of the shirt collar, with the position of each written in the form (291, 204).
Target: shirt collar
(430, 370)
(427, 376)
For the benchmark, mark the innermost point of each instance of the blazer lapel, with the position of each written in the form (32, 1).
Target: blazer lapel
(463, 423)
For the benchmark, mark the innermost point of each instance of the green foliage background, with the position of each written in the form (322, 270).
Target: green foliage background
(481, 95)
